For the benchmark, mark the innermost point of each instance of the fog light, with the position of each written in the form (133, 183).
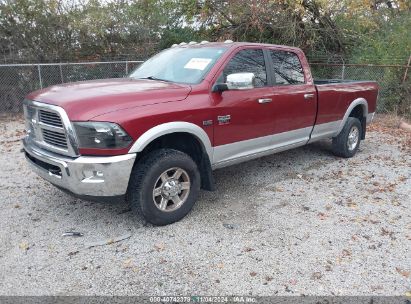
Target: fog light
(93, 176)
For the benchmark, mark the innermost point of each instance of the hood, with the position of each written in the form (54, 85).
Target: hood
(86, 99)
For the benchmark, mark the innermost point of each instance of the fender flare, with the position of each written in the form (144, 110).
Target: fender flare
(169, 128)
(359, 101)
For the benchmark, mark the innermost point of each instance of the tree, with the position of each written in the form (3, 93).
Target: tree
(50, 30)
(305, 24)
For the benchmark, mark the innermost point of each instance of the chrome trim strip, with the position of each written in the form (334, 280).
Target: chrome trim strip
(229, 154)
(325, 130)
(51, 128)
(257, 155)
(264, 100)
(72, 142)
(172, 127)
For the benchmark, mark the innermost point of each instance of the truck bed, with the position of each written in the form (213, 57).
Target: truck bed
(335, 96)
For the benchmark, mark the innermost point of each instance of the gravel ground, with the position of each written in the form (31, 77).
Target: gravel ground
(301, 222)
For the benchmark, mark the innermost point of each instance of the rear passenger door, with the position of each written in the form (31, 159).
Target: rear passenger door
(294, 98)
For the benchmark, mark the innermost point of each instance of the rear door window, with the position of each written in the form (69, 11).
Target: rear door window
(287, 69)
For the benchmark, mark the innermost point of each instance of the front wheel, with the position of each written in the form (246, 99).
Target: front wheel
(347, 142)
(164, 186)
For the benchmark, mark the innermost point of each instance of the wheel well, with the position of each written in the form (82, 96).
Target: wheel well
(358, 112)
(189, 144)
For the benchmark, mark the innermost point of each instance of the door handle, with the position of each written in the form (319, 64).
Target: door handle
(264, 100)
(308, 96)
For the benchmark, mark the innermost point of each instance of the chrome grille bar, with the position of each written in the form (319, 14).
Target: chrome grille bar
(50, 118)
(55, 139)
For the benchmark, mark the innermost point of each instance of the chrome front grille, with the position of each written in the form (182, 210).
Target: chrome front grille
(50, 118)
(48, 127)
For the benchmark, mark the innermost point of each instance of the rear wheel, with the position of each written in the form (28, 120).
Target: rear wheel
(348, 141)
(164, 186)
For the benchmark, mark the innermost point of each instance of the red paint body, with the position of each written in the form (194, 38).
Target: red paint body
(139, 105)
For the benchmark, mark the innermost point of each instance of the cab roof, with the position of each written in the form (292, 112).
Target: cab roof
(236, 45)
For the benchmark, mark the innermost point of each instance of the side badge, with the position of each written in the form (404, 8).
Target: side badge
(223, 120)
(207, 122)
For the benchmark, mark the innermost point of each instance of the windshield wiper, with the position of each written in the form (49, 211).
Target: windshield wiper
(154, 78)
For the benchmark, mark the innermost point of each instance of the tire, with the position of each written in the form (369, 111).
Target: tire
(164, 186)
(346, 143)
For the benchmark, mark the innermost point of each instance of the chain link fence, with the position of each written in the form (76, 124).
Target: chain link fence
(17, 80)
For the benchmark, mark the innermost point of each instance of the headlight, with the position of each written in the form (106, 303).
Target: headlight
(101, 135)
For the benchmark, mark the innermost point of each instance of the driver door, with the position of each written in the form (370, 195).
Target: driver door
(244, 117)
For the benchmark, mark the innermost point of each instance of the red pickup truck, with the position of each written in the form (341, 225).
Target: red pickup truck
(155, 137)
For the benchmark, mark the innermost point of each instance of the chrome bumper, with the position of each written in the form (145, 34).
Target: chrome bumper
(85, 175)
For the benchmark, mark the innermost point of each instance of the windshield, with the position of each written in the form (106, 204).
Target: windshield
(184, 65)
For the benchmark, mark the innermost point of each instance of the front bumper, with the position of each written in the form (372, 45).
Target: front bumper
(88, 176)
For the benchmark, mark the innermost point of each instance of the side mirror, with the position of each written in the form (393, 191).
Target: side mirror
(219, 87)
(240, 81)
(236, 81)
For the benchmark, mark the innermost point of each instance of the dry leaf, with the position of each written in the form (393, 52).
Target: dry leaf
(322, 216)
(248, 249)
(253, 273)
(316, 276)
(24, 246)
(385, 232)
(159, 246)
(402, 178)
(352, 205)
(402, 272)
(128, 263)
(346, 252)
